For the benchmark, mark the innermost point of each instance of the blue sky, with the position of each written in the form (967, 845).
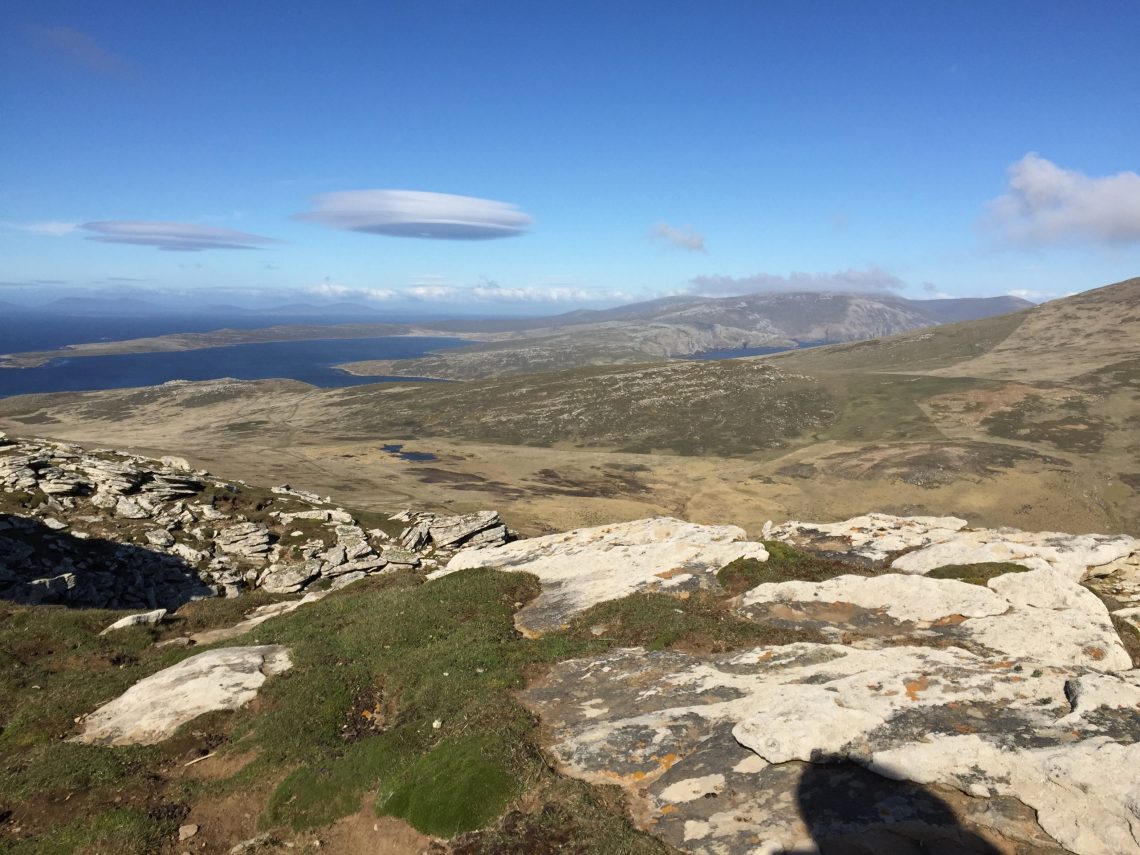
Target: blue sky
(614, 151)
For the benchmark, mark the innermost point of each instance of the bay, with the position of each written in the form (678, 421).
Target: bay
(310, 361)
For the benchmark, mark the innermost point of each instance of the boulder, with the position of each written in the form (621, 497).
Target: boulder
(152, 709)
(143, 619)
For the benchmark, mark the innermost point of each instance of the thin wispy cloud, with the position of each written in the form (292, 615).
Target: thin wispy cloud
(173, 237)
(78, 48)
(47, 228)
(873, 279)
(415, 213)
(1046, 204)
(685, 237)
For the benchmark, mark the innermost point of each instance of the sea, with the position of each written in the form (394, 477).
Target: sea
(310, 361)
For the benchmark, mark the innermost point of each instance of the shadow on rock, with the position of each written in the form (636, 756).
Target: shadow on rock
(850, 811)
(39, 565)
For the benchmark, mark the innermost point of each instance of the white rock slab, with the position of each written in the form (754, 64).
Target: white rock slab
(1035, 616)
(938, 541)
(143, 619)
(1056, 781)
(987, 725)
(152, 709)
(874, 537)
(580, 568)
(1074, 555)
(904, 598)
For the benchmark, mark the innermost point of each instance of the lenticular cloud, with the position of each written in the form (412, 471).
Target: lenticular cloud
(415, 213)
(172, 237)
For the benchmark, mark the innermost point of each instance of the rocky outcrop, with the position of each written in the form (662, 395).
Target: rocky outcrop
(478, 530)
(138, 533)
(1005, 711)
(580, 568)
(152, 709)
(920, 544)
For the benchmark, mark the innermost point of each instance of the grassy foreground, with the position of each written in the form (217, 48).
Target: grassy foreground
(401, 690)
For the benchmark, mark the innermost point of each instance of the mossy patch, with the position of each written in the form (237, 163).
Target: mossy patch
(460, 785)
(702, 622)
(976, 574)
(785, 564)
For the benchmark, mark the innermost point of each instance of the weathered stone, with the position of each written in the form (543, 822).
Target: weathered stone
(985, 725)
(249, 540)
(580, 568)
(288, 579)
(453, 530)
(152, 709)
(143, 619)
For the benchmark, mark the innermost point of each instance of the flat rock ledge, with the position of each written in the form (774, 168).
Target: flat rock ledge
(920, 544)
(152, 709)
(942, 716)
(580, 568)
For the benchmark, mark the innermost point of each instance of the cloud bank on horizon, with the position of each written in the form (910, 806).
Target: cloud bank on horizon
(1046, 205)
(417, 213)
(874, 280)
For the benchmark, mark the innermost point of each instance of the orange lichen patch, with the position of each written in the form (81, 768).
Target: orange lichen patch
(964, 728)
(1005, 663)
(913, 687)
(1094, 653)
(949, 620)
(669, 760)
(668, 809)
(670, 574)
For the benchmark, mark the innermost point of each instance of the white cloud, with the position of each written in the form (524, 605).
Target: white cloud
(414, 213)
(432, 292)
(344, 292)
(683, 238)
(873, 279)
(1046, 204)
(50, 228)
(172, 237)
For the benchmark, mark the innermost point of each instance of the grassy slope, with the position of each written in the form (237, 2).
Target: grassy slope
(399, 688)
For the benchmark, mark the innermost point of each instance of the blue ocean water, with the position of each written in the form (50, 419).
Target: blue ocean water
(309, 361)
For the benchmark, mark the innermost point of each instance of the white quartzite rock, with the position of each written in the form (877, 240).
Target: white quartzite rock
(152, 709)
(580, 568)
(940, 541)
(144, 619)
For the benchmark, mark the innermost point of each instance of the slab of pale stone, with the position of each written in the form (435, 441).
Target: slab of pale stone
(581, 568)
(152, 709)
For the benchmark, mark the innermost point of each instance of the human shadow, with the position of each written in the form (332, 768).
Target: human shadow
(41, 565)
(851, 811)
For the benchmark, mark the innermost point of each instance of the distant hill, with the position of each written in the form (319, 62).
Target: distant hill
(684, 326)
(1028, 419)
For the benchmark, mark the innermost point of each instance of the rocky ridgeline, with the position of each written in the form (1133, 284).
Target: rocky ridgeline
(112, 530)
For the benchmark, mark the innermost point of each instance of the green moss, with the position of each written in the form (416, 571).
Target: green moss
(460, 785)
(785, 564)
(976, 574)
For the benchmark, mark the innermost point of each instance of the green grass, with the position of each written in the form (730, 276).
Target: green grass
(976, 574)
(785, 564)
(401, 689)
